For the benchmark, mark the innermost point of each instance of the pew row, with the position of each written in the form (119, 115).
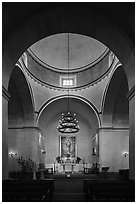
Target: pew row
(109, 190)
(27, 190)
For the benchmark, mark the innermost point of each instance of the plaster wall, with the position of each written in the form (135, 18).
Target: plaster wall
(112, 145)
(23, 142)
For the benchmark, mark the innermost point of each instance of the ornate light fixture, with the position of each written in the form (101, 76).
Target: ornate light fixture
(68, 122)
(12, 154)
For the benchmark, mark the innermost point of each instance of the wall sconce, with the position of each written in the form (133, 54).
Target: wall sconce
(43, 152)
(12, 154)
(125, 154)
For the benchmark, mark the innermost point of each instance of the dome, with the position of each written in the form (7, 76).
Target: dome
(53, 51)
(47, 61)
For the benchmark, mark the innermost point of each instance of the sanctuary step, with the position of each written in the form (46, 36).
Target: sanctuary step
(62, 197)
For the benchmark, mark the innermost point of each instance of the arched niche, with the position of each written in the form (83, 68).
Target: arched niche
(48, 122)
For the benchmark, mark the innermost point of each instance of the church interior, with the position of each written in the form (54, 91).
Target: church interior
(68, 102)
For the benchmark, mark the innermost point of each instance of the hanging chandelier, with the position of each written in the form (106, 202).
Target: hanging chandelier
(68, 122)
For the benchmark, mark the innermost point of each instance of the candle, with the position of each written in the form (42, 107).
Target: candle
(76, 150)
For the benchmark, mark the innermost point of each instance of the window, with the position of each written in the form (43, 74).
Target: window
(65, 81)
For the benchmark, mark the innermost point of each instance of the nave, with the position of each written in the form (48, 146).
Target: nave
(71, 187)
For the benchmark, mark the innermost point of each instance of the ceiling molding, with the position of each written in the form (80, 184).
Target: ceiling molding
(114, 128)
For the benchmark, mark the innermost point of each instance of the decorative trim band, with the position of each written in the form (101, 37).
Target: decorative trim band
(5, 93)
(113, 128)
(131, 93)
(29, 127)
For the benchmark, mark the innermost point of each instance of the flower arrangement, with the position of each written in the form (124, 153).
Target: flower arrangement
(27, 164)
(58, 159)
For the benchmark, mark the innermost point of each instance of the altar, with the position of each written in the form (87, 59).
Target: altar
(68, 164)
(68, 160)
(68, 167)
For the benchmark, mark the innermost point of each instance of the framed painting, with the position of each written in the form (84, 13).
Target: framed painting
(67, 146)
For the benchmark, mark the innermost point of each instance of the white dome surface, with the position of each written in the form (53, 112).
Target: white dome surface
(53, 50)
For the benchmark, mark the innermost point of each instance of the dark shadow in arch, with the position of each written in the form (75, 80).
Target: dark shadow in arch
(21, 105)
(116, 108)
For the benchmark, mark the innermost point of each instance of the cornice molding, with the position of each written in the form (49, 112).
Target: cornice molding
(131, 93)
(113, 128)
(23, 128)
(5, 93)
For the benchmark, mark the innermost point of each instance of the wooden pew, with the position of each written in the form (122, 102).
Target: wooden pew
(109, 190)
(27, 190)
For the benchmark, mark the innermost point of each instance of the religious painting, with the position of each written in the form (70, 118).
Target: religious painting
(67, 146)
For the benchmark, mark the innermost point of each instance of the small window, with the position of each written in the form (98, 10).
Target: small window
(68, 81)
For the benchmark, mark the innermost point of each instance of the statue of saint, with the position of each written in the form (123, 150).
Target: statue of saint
(68, 146)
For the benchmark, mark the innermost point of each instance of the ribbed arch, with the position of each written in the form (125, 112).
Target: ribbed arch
(72, 97)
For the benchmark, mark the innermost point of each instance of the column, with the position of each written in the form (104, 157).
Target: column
(131, 99)
(30, 147)
(5, 133)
